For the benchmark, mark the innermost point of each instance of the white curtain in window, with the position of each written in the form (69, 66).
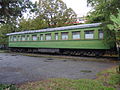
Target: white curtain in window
(76, 35)
(28, 38)
(48, 36)
(34, 38)
(56, 36)
(11, 38)
(64, 36)
(14, 39)
(41, 37)
(23, 38)
(89, 35)
(100, 34)
(18, 38)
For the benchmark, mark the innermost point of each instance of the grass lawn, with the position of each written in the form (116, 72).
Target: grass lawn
(106, 80)
(66, 84)
(3, 51)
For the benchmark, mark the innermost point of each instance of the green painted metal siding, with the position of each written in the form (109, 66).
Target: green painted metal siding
(76, 44)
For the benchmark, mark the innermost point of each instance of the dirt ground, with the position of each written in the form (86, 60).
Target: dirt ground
(17, 69)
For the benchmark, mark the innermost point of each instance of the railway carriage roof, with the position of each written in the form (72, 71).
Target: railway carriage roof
(58, 28)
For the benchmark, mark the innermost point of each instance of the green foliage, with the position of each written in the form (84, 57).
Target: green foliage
(32, 24)
(115, 26)
(114, 79)
(116, 22)
(4, 29)
(56, 13)
(94, 17)
(49, 14)
(7, 87)
(103, 9)
(66, 84)
(110, 77)
(106, 11)
(109, 37)
(11, 9)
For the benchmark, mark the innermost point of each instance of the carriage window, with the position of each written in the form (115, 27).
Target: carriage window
(64, 35)
(41, 37)
(34, 37)
(76, 35)
(28, 38)
(19, 38)
(100, 34)
(14, 38)
(56, 36)
(89, 34)
(48, 37)
(11, 38)
(23, 38)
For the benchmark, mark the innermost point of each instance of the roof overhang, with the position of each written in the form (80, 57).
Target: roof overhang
(57, 29)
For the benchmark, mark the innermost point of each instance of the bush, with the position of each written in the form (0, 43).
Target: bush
(7, 87)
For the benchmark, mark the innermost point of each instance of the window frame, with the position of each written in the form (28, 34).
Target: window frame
(14, 38)
(42, 37)
(89, 31)
(57, 36)
(27, 37)
(50, 36)
(36, 37)
(99, 34)
(67, 36)
(19, 38)
(76, 38)
(22, 38)
(11, 38)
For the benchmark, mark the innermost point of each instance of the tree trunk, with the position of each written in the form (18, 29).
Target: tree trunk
(118, 50)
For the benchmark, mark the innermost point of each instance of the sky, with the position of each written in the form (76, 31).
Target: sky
(79, 6)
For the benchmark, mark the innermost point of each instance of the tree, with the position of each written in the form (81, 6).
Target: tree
(32, 24)
(12, 9)
(115, 25)
(107, 11)
(38, 23)
(4, 29)
(55, 12)
(95, 17)
(103, 9)
(24, 24)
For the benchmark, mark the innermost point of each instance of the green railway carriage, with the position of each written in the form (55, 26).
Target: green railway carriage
(82, 39)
